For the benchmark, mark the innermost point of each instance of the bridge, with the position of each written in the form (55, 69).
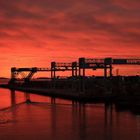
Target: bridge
(77, 68)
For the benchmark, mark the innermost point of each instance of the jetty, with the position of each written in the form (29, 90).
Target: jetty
(79, 86)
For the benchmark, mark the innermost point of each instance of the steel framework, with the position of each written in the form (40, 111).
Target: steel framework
(75, 67)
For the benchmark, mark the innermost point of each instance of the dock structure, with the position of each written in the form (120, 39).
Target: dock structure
(77, 68)
(79, 86)
(58, 66)
(15, 72)
(105, 64)
(93, 63)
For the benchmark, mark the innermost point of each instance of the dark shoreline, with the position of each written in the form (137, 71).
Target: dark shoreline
(131, 103)
(123, 92)
(124, 101)
(79, 97)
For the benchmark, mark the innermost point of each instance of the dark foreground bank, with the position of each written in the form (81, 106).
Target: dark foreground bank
(123, 91)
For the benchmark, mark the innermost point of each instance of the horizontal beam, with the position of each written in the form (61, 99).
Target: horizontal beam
(38, 69)
(126, 61)
(118, 61)
(34, 69)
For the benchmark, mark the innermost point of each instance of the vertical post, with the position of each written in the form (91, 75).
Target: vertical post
(51, 73)
(82, 76)
(105, 70)
(110, 70)
(84, 72)
(79, 72)
(82, 66)
(74, 69)
(53, 76)
(53, 68)
(13, 74)
(107, 62)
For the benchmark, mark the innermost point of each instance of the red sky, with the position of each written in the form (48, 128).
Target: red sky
(36, 32)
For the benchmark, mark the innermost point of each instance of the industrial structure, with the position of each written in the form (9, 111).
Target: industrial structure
(78, 69)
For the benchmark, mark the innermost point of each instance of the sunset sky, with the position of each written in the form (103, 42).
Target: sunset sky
(36, 32)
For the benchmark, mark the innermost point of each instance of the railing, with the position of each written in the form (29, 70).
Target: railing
(94, 60)
(63, 64)
(113, 61)
(126, 61)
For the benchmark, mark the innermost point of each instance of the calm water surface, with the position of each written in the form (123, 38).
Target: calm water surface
(57, 119)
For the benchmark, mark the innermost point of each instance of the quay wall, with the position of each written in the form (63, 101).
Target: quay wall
(84, 89)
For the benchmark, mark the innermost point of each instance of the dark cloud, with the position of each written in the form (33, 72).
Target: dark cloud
(35, 32)
(119, 20)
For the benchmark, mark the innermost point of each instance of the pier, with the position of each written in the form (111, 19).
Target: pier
(78, 69)
(79, 86)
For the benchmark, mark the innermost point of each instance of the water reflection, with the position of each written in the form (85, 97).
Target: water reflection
(42, 117)
(52, 100)
(8, 113)
(27, 98)
(108, 114)
(82, 121)
(108, 120)
(13, 98)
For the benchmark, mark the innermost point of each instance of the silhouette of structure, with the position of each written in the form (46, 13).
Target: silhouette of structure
(15, 72)
(63, 67)
(77, 69)
(106, 64)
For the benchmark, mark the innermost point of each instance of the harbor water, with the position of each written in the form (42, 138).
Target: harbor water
(25, 116)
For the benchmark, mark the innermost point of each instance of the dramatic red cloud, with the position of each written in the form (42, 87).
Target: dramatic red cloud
(34, 33)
